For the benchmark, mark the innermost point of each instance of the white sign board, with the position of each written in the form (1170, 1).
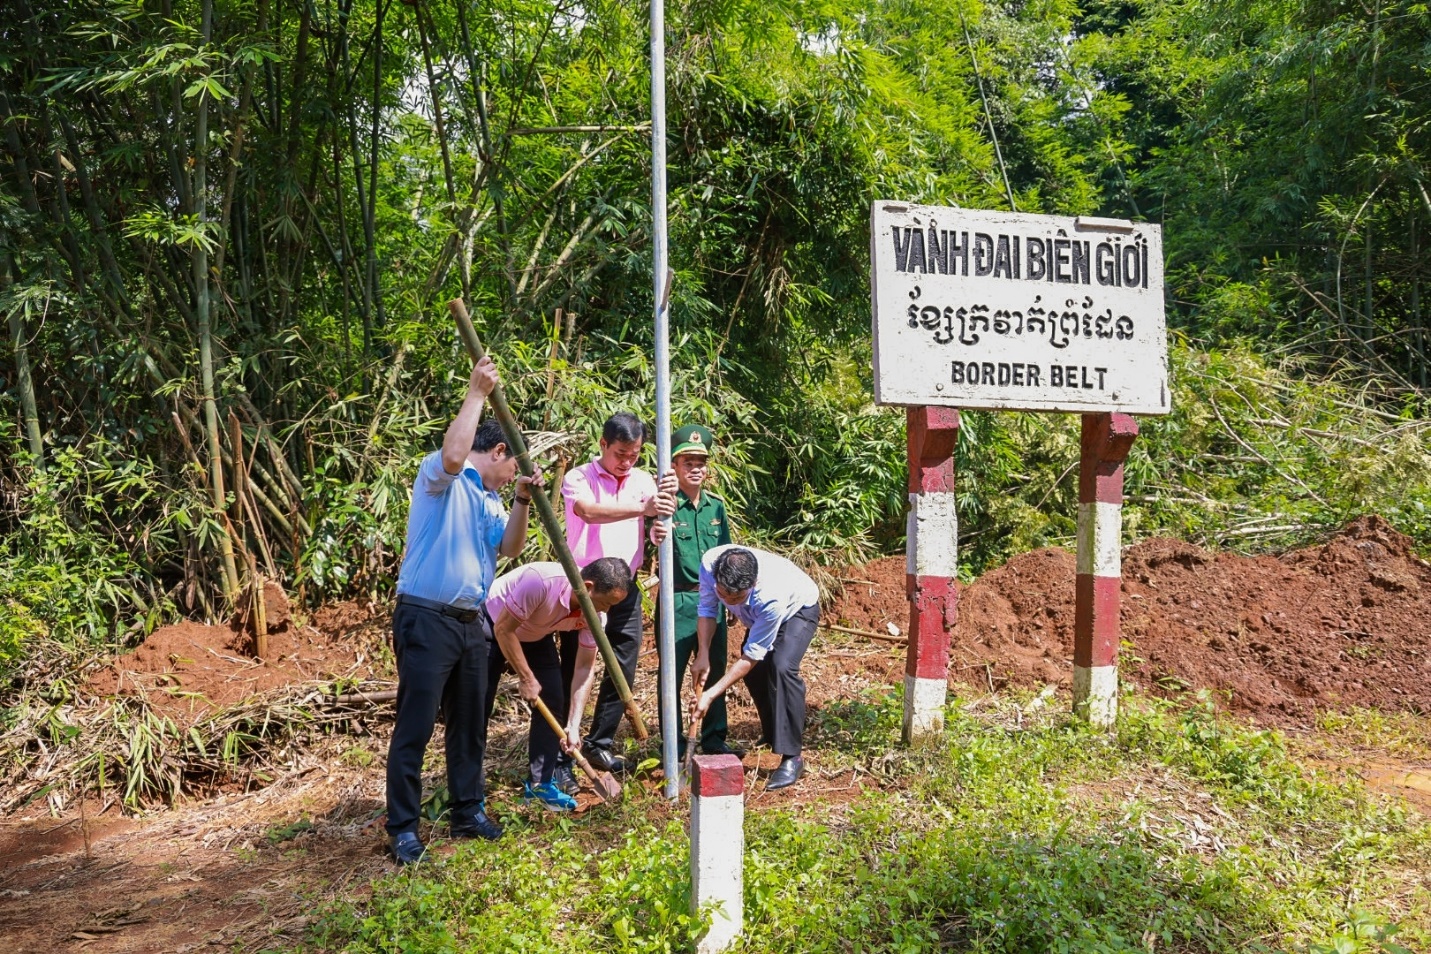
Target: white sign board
(1006, 311)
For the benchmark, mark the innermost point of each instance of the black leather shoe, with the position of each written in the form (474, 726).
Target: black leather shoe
(604, 761)
(789, 772)
(565, 780)
(722, 747)
(476, 825)
(406, 848)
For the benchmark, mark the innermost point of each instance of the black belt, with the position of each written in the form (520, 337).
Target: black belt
(462, 614)
(689, 588)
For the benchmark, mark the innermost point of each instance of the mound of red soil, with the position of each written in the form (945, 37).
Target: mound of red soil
(1344, 624)
(189, 669)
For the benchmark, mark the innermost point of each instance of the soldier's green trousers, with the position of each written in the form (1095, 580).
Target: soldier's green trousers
(713, 726)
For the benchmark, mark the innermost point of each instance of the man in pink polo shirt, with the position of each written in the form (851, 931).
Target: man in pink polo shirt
(607, 503)
(526, 607)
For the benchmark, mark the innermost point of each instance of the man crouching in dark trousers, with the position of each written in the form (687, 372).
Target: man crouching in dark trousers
(441, 637)
(780, 606)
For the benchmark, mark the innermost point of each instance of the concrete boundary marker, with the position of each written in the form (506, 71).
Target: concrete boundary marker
(718, 848)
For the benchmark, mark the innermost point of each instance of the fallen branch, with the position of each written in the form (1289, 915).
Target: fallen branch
(1260, 530)
(557, 130)
(882, 637)
(387, 695)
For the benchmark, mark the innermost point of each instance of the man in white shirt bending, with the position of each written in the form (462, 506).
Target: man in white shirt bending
(780, 606)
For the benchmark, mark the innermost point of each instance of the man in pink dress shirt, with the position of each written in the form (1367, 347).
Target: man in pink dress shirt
(607, 503)
(526, 607)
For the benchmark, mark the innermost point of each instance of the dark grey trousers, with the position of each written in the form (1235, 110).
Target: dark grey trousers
(776, 687)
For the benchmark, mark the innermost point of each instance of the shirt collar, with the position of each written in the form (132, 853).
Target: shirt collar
(470, 471)
(603, 471)
(564, 590)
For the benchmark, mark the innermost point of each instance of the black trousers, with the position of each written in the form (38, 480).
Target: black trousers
(440, 662)
(776, 687)
(623, 629)
(543, 746)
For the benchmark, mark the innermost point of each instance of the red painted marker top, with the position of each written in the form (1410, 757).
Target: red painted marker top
(1106, 441)
(717, 775)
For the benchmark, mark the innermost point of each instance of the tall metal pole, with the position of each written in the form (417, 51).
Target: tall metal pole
(661, 282)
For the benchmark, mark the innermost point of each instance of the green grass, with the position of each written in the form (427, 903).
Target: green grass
(1022, 831)
(1402, 734)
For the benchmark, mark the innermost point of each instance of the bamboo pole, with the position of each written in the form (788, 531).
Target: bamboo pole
(260, 609)
(374, 143)
(551, 373)
(28, 406)
(236, 456)
(200, 260)
(558, 130)
(865, 633)
(22, 374)
(549, 519)
(347, 698)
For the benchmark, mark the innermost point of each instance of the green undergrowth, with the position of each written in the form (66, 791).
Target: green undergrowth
(1260, 453)
(1021, 831)
(1398, 734)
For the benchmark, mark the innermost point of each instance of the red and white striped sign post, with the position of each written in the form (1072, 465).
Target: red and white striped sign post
(1003, 311)
(1106, 441)
(931, 566)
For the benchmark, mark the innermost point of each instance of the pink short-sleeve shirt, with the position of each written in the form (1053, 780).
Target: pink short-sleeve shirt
(539, 596)
(592, 483)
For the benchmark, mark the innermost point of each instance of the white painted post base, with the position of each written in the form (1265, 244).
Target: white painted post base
(718, 849)
(923, 708)
(1100, 539)
(1095, 694)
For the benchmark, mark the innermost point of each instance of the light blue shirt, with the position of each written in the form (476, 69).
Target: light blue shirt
(781, 590)
(454, 528)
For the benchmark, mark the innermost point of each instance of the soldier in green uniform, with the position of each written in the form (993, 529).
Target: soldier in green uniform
(699, 523)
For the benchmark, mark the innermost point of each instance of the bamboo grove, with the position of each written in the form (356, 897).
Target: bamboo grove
(227, 228)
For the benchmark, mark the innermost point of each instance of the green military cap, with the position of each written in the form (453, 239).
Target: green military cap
(692, 439)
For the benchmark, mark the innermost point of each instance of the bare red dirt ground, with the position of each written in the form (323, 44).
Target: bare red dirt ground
(1343, 624)
(189, 670)
(241, 871)
(1338, 625)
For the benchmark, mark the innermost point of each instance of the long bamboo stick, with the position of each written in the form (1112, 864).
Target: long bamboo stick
(22, 373)
(865, 633)
(199, 257)
(347, 698)
(549, 520)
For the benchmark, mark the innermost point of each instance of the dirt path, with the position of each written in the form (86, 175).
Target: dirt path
(238, 870)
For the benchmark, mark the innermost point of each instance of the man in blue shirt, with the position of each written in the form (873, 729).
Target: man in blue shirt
(780, 606)
(456, 529)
